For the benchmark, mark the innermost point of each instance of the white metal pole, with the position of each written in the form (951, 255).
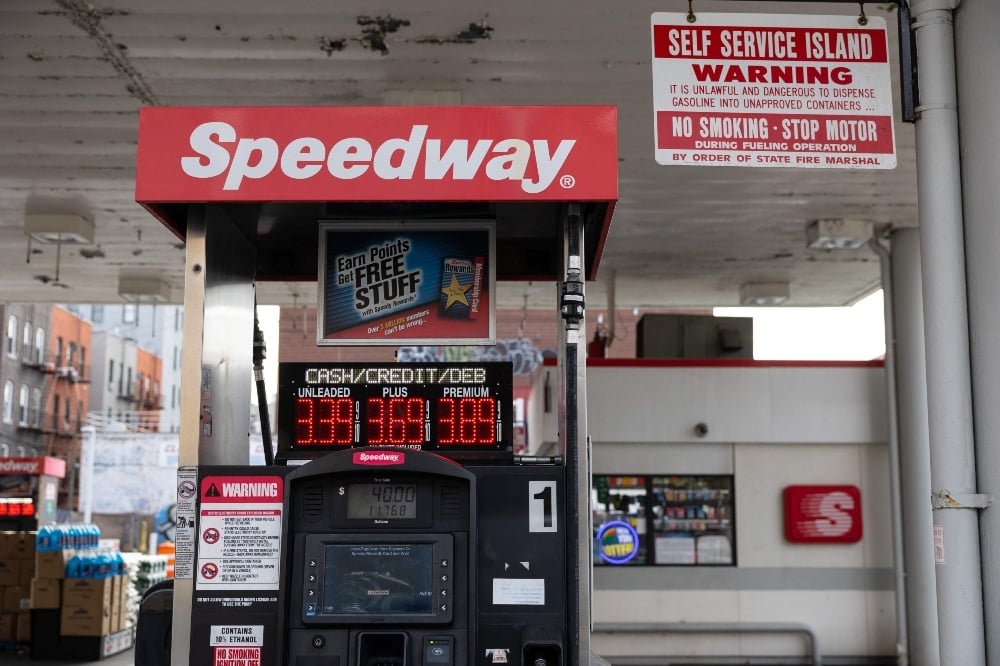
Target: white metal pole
(946, 330)
(898, 563)
(88, 454)
(914, 449)
(977, 51)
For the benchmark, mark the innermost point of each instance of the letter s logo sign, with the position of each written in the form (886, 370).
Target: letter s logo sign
(822, 514)
(831, 511)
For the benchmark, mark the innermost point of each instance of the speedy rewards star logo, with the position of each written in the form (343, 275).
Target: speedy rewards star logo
(376, 154)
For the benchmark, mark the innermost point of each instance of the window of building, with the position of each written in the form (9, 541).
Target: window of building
(173, 397)
(35, 417)
(663, 520)
(12, 336)
(59, 351)
(8, 401)
(98, 314)
(4, 450)
(83, 361)
(67, 415)
(128, 313)
(128, 384)
(111, 372)
(55, 412)
(39, 345)
(26, 343)
(22, 404)
(176, 355)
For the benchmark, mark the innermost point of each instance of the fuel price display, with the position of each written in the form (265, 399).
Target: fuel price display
(452, 408)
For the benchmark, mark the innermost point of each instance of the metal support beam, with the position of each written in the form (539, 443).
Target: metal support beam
(216, 373)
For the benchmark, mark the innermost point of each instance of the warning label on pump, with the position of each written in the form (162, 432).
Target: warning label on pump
(243, 635)
(239, 533)
(236, 656)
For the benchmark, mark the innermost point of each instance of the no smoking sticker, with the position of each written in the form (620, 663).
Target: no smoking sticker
(236, 656)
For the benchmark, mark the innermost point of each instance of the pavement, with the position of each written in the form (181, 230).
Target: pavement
(125, 658)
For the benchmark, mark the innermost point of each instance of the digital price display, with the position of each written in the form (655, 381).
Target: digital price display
(461, 410)
(20, 507)
(382, 500)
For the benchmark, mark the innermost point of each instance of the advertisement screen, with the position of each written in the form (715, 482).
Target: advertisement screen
(377, 579)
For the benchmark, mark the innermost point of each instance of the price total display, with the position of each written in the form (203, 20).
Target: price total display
(450, 408)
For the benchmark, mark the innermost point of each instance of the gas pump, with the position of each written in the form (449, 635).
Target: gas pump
(396, 526)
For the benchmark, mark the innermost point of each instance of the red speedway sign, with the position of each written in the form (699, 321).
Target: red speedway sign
(377, 154)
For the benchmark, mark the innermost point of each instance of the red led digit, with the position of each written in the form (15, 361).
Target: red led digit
(374, 421)
(304, 421)
(324, 421)
(446, 421)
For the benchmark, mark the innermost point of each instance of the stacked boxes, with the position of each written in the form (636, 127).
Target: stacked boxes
(17, 568)
(76, 602)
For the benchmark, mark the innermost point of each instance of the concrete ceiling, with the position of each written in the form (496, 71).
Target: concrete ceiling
(73, 75)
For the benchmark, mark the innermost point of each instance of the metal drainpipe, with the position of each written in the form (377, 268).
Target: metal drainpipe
(892, 417)
(946, 317)
(923, 646)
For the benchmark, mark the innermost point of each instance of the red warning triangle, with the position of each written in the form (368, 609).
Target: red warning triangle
(213, 491)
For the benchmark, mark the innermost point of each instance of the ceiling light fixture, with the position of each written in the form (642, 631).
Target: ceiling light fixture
(764, 294)
(838, 234)
(61, 228)
(143, 289)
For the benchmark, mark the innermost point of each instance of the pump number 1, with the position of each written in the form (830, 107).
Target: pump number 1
(542, 506)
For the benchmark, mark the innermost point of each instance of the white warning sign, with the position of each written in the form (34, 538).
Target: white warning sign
(239, 533)
(769, 90)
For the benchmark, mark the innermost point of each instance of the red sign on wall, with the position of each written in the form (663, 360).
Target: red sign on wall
(823, 514)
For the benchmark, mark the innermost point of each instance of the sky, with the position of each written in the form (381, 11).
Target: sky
(855, 333)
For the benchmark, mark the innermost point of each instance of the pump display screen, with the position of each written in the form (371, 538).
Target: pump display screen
(458, 408)
(379, 579)
(382, 500)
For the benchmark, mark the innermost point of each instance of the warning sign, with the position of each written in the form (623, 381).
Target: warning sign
(240, 533)
(766, 90)
(236, 656)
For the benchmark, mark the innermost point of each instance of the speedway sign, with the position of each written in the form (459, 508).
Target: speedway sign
(759, 90)
(305, 154)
